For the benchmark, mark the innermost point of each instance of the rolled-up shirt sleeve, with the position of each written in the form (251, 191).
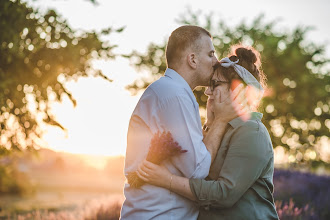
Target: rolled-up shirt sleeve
(246, 158)
(179, 116)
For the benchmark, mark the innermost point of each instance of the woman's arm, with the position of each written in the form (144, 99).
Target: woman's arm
(162, 177)
(246, 158)
(250, 151)
(219, 114)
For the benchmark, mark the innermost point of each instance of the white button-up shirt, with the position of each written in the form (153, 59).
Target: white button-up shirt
(168, 104)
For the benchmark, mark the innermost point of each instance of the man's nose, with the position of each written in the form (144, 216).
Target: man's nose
(215, 60)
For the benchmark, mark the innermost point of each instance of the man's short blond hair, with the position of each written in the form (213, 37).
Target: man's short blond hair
(184, 37)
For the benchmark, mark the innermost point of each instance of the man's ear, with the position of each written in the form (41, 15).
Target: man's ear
(192, 60)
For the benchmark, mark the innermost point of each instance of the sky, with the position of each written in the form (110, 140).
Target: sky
(98, 125)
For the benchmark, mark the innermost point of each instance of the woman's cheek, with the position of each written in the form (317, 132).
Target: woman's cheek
(218, 89)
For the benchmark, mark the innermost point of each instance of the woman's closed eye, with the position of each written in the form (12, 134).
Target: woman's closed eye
(216, 83)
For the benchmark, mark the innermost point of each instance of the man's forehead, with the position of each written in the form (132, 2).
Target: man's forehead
(207, 42)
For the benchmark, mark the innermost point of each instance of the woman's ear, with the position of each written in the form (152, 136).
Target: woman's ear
(192, 60)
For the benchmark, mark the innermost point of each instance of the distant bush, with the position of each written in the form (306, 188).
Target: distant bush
(12, 181)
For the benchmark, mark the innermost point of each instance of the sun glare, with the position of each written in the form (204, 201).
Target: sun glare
(98, 162)
(98, 124)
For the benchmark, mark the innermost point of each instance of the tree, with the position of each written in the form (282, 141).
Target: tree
(296, 105)
(38, 54)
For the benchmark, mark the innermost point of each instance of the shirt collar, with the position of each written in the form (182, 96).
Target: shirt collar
(178, 78)
(236, 122)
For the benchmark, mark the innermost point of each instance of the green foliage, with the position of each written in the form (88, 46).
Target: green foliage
(296, 105)
(13, 181)
(38, 54)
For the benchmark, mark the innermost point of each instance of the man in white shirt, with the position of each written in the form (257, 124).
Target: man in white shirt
(169, 104)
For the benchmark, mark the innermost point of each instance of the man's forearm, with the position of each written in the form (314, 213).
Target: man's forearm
(213, 137)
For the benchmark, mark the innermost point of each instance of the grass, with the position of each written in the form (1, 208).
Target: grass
(64, 187)
(101, 208)
(80, 193)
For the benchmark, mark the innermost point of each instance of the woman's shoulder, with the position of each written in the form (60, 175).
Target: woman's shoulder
(251, 122)
(254, 134)
(245, 125)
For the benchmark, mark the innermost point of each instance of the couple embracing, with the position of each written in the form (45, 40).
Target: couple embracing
(227, 171)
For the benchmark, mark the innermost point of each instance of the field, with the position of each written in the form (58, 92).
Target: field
(65, 187)
(64, 184)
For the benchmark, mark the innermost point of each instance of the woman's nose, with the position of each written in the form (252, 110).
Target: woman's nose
(208, 91)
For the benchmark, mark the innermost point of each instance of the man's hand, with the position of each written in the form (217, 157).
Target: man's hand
(235, 105)
(209, 113)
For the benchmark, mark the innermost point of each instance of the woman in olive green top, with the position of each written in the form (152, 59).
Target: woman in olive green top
(240, 181)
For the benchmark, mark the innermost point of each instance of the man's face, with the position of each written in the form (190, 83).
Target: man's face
(206, 60)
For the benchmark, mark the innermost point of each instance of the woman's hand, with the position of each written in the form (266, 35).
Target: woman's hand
(162, 177)
(154, 174)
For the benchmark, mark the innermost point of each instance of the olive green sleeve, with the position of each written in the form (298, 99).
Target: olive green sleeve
(247, 156)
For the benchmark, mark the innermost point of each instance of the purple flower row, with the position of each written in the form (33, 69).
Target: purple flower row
(303, 189)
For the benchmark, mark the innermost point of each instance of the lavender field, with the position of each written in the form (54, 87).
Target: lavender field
(301, 195)
(298, 196)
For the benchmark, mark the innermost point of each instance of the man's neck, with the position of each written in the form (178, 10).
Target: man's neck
(188, 77)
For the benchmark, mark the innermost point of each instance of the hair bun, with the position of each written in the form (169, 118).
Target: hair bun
(246, 54)
(233, 58)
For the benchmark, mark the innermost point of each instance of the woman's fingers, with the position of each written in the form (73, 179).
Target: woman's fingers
(140, 170)
(237, 91)
(148, 170)
(141, 176)
(144, 172)
(241, 96)
(236, 96)
(153, 174)
(240, 106)
(149, 165)
(244, 111)
(144, 169)
(241, 103)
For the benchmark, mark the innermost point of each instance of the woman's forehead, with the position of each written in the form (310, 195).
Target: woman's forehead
(218, 75)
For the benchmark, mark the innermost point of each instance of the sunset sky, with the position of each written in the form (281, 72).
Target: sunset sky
(98, 124)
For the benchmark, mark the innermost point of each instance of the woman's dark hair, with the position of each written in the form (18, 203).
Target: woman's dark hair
(249, 58)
